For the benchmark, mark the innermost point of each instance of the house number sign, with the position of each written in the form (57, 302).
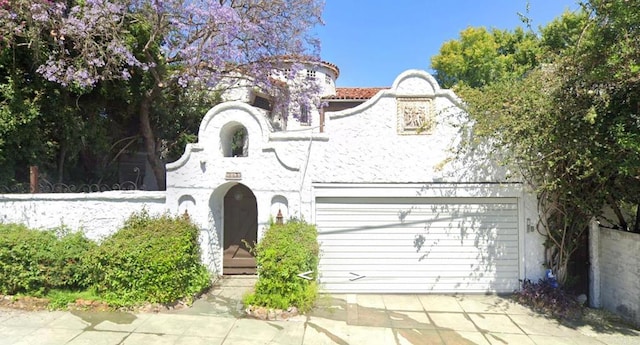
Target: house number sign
(233, 175)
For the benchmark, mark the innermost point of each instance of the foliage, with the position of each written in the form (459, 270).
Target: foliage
(150, 259)
(602, 85)
(284, 252)
(563, 33)
(570, 126)
(526, 129)
(135, 63)
(544, 298)
(60, 299)
(480, 57)
(35, 261)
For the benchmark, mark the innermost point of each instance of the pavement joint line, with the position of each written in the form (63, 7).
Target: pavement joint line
(518, 326)
(224, 339)
(482, 331)
(125, 338)
(77, 335)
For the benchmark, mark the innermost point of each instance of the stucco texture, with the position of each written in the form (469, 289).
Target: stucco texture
(365, 145)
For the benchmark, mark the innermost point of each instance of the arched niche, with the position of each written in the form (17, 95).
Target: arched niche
(280, 204)
(186, 204)
(234, 140)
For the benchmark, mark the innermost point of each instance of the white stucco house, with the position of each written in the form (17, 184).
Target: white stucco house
(396, 209)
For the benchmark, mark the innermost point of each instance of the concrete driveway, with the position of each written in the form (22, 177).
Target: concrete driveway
(339, 319)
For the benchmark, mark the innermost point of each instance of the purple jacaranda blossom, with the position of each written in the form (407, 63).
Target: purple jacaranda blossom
(192, 43)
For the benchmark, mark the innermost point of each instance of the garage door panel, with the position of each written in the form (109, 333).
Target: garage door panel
(376, 217)
(377, 220)
(454, 286)
(419, 204)
(445, 263)
(382, 248)
(401, 212)
(418, 244)
(409, 251)
(361, 202)
(422, 226)
(410, 234)
(373, 277)
(425, 284)
(409, 241)
(411, 255)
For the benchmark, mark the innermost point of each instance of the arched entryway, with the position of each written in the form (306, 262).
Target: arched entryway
(240, 226)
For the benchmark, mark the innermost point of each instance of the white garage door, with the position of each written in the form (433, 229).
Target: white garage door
(420, 245)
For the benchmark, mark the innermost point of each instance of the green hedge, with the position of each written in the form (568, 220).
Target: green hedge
(34, 261)
(153, 260)
(283, 252)
(150, 260)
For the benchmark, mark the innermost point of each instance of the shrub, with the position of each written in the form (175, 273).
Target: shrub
(153, 260)
(283, 252)
(35, 261)
(545, 298)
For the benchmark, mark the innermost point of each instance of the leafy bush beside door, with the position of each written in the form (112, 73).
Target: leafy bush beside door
(285, 251)
(151, 259)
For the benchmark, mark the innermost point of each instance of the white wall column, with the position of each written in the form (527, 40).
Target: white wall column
(594, 267)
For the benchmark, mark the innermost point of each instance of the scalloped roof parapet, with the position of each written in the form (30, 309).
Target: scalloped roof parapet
(222, 107)
(206, 135)
(410, 83)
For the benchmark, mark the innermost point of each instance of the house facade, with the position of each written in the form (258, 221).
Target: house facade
(399, 208)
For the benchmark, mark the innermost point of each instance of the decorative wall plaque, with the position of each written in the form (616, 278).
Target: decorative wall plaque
(416, 115)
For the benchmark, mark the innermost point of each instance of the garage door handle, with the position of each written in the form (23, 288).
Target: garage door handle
(357, 276)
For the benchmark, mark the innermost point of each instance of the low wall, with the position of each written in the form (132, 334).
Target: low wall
(615, 278)
(97, 214)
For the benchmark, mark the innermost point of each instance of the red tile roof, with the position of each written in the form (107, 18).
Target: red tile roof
(355, 92)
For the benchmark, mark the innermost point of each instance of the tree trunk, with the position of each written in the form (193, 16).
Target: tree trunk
(149, 139)
(561, 270)
(636, 225)
(614, 205)
(61, 158)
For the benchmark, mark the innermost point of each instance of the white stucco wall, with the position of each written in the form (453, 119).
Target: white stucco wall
(96, 214)
(361, 151)
(360, 146)
(198, 180)
(615, 272)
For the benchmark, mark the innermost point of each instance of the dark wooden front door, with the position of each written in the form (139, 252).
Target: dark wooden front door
(240, 225)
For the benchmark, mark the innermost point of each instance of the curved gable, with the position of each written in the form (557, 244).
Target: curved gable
(217, 126)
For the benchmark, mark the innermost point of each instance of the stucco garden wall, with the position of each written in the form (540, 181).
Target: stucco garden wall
(97, 214)
(359, 146)
(615, 277)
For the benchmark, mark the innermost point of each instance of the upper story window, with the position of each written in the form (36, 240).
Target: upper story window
(305, 117)
(287, 73)
(327, 79)
(311, 74)
(262, 103)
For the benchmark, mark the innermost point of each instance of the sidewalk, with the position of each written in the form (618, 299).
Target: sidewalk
(339, 319)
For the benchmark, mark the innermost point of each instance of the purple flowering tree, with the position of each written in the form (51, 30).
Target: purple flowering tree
(181, 45)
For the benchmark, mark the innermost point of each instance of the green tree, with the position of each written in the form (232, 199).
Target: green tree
(571, 124)
(480, 57)
(154, 55)
(156, 49)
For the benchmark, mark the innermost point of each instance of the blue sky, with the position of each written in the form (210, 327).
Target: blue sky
(372, 41)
